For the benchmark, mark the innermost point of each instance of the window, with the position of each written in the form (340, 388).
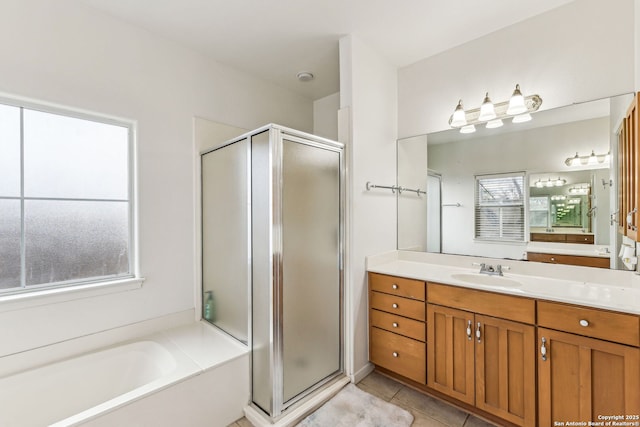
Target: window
(539, 211)
(65, 199)
(499, 207)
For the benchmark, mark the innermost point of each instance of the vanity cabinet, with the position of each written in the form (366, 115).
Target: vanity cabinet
(587, 239)
(516, 360)
(479, 351)
(629, 172)
(585, 261)
(397, 325)
(588, 364)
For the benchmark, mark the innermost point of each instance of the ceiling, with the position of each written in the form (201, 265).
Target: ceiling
(275, 39)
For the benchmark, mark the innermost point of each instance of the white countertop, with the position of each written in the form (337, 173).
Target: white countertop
(623, 295)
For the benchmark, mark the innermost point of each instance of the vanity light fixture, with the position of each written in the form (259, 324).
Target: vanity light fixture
(459, 119)
(579, 190)
(518, 107)
(487, 110)
(591, 159)
(550, 183)
(516, 103)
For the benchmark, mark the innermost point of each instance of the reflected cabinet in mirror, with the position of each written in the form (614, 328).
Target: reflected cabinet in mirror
(555, 189)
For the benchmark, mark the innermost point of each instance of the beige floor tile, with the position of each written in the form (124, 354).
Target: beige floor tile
(242, 422)
(419, 419)
(477, 422)
(434, 408)
(374, 391)
(385, 388)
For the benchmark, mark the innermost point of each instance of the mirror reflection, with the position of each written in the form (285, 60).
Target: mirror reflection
(525, 191)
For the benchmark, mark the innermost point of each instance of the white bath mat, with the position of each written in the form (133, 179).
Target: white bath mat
(353, 407)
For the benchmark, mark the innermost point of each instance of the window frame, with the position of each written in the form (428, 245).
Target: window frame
(94, 284)
(524, 204)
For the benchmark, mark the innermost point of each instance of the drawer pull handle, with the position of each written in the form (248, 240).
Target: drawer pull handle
(394, 354)
(543, 349)
(394, 305)
(395, 325)
(584, 323)
(394, 286)
(469, 330)
(553, 259)
(478, 331)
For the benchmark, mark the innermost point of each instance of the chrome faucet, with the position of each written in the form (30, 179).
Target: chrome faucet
(491, 270)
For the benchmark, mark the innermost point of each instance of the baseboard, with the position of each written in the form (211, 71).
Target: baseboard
(362, 372)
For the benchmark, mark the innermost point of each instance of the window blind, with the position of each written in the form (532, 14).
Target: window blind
(500, 207)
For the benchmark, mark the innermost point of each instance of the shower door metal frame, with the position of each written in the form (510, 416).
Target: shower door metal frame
(277, 135)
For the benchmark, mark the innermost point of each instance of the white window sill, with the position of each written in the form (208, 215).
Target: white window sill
(69, 293)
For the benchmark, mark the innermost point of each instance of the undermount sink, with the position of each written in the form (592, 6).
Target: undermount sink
(485, 279)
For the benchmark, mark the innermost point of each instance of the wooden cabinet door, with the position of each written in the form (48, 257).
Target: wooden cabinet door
(582, 378)
(629, 171)
(450, 352)
(505, 370)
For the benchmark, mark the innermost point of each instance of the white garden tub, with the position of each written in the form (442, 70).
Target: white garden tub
(120, 384)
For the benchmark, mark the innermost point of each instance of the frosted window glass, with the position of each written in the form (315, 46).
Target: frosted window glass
(66, 157)
(9, 243)
(9, 151)
(71, 240)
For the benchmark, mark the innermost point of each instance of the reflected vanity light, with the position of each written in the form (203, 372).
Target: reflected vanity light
(591, 159)
(549, 183)
(518, 107)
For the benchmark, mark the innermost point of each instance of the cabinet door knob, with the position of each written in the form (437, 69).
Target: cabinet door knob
(584, 323)
(395, 325)
(394, 305)
(543, 349)
(478, 333)
(394, 354)
(553, 259)
(394, 286)
(469, 330)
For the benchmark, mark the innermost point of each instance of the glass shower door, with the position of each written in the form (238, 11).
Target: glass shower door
(311, 285)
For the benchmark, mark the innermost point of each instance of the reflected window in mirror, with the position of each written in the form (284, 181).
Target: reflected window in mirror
(499, 207)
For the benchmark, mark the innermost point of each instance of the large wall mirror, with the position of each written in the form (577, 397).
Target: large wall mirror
(519, 189)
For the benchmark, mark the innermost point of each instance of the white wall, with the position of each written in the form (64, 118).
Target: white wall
(325, 116)
(68, 54)
(581, 51)
(534, 151)
(368, 89)
(412, 208)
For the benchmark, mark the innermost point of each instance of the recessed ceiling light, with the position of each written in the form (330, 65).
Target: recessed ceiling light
(305, 76)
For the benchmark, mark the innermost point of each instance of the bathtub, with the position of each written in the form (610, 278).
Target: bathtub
(157, 380)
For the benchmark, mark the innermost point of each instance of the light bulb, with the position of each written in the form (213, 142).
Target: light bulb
(593, 160)
(521, 118)
(549, 183)
(516, 103)
(468, 129)
(496, 123)
(539, 184)
(487, 112)
(559, 182)
(459, 117)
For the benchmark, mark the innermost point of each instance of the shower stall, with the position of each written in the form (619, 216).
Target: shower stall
(273, 233)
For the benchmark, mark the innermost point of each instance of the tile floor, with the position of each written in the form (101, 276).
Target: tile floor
(426, 411)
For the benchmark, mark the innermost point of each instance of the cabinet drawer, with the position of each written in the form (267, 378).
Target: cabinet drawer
(399, 354)
(548, 237)
(585, 261)
(580, 238)
(492, 304)
(397, 324)
(607, 325)
(396, 305)
(399, 286)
